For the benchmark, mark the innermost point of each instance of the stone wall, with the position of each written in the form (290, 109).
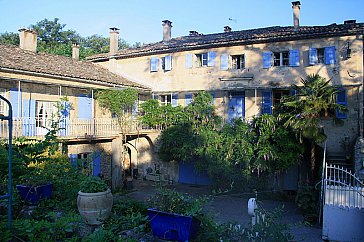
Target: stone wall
(359, 158)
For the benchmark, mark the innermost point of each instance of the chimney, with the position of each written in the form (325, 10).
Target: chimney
(75, 51)
(167, 27)
(227, 29)
(114, 40)
(351, 21)
(193, 33)
(28, 39)
(296, 14)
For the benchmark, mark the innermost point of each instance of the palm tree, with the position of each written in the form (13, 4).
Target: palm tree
(303, 112)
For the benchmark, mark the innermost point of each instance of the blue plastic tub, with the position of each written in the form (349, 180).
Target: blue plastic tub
(33, 194)
(171, 226)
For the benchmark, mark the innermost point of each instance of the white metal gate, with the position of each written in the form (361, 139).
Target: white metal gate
(343, 205)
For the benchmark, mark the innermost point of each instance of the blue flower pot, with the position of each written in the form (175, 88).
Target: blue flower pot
(171, 226)
(33, 194)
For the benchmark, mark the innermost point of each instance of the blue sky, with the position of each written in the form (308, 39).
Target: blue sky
(140, 20)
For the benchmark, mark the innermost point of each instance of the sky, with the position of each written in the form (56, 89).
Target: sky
(141, 20)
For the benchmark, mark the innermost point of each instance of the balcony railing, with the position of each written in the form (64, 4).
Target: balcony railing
(69, 128)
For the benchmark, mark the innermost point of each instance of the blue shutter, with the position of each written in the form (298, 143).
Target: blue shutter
(14, 102)
(154, 64)
(134, 110)
(267, 59)
(211, 58)
(96, 171)
(174, 100)
(294, 58)
(188, 60)
(168, 63)
(188, 98)
(267, 102)
(65, 119)
(224, 62)
(330, 55)
(84, 107)
(28, 125)
(341, 99)
(73, 159)
(312, 55)
(213, 98)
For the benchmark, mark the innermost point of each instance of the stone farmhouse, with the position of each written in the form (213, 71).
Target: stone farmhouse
(246, 71)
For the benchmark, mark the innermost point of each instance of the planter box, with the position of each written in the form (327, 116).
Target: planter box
(171, 226)
(33, 194)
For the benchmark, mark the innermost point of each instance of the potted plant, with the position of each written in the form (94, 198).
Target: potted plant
(34, 185)
(94, 200)
(173, 215)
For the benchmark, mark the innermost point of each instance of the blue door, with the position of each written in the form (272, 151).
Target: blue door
(189, 175)
(236, 106)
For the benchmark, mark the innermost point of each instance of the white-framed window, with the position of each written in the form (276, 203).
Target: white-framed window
(238, 62)
(165, 99)
(167, 63)
(201, 59)
(46, 113)
(325, 55)
(206, 59)
(3, 105)
(281, 58)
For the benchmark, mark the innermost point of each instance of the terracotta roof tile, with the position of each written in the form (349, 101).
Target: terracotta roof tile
(12, 57)
(261, 35)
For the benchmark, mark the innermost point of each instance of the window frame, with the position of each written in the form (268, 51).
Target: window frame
(3, 105)
(165, 99)
(238, 62)
(281, 58)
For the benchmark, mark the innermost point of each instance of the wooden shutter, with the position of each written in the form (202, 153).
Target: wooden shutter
(28, 126)
(153, 64)
(168, 63)
(330, 55)
(65, 119)
(312, 56)
(224, 62)
(84, 107)
(188, 98)
(342, 100)
(174, 101)
(267, 102)
(294, 58)
(211, 58)
(189, 60)
(267, 59)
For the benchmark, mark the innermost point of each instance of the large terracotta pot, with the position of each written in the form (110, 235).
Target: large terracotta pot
(95, 208)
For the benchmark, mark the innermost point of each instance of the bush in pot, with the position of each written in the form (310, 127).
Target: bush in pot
(94, 200)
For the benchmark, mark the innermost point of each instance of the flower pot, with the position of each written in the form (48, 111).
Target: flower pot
(33, 194)
(95, 208)
(171, 226)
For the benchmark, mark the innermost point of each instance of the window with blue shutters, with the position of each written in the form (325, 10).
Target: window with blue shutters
(188, 98)
(154, 64)
(267, 59)
(294, 58)
(330, 55)
(174, 99)
(188, 60)
(206, 59)
(342, 100)
(267, 102)
(224, 62)
(15, 100)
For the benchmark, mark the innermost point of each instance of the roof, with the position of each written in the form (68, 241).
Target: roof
(251, 36)
(17, 59)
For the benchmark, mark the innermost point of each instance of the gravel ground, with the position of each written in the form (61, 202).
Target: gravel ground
(233, 208)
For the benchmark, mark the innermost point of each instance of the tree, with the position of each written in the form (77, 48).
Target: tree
(303, 112)
(9, 38)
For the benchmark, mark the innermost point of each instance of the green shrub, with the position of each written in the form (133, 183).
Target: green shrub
(93, 184)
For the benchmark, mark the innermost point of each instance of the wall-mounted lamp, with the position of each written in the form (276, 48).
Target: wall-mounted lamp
(348, 51)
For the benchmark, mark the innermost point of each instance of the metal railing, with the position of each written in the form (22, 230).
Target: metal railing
(70, 128)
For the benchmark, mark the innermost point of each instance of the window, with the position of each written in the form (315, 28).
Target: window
(165, 99)
(154, 64)
(281, 58)
(3, 105)
(267, 102)
(202, 59)
(238, 62)
(188, 98)
(277, 97)
(322, 55)
(206, 59)
(46, 113)
(342, 100)
(167, 63)
(174, 100)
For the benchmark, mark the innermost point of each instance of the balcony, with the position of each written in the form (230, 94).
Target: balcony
(70, 128)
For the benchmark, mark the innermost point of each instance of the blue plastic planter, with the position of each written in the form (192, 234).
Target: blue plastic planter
(171, 226)
(33, 194)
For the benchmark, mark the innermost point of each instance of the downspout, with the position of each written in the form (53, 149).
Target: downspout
(19, 101)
